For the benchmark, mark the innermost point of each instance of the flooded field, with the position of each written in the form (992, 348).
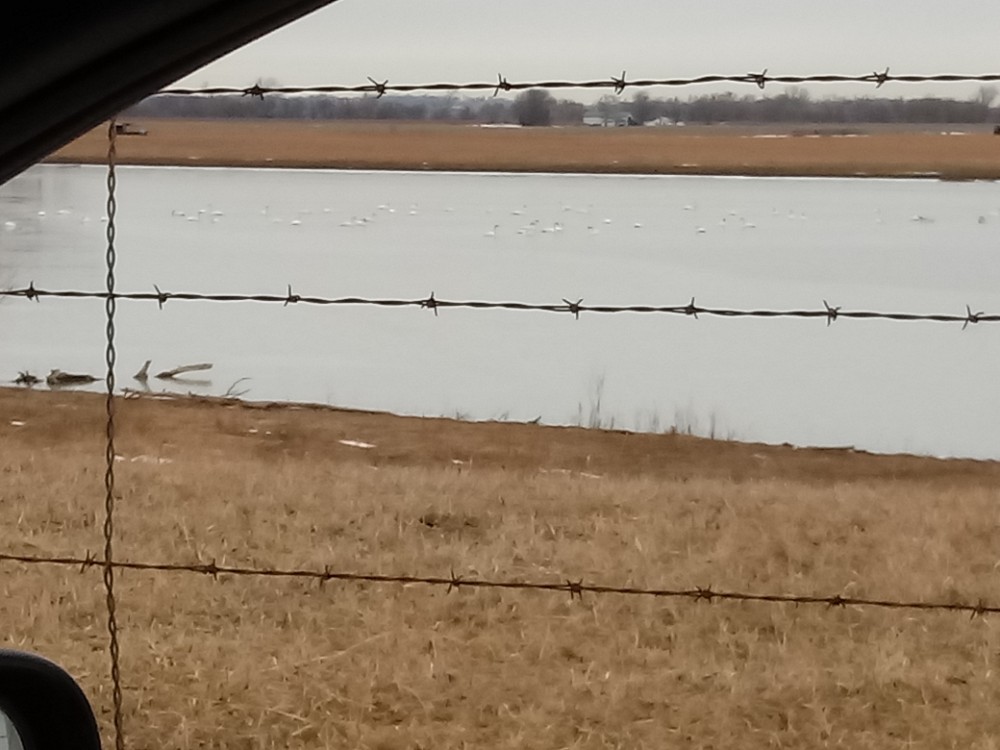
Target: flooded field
(753, 243)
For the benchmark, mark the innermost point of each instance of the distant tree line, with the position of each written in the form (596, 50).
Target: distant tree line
(538, 107)
(796, 105)
(532, 108)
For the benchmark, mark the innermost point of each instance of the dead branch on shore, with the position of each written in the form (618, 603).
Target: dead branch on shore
(26, 378)
(170, 374)
(233, 392)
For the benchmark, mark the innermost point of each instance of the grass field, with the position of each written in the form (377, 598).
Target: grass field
(279, 663)
(809, 150)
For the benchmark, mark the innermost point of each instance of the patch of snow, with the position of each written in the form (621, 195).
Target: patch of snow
(356, 444)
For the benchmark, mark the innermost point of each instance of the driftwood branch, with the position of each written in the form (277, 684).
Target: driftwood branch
(169, 374)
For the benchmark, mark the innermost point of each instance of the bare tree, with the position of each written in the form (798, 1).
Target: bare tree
(642, 108)
(986, 95)
(494, 110)
(567, 112)
(534, 107)
(608, 108)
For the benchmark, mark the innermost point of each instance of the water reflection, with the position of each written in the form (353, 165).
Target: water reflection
(914, 246)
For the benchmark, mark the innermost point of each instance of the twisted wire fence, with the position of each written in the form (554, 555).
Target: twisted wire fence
(828, 312)
(617, 84)
(453, 582)
(576, 588)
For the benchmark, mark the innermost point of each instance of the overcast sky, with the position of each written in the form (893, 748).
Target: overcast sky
(418, 41)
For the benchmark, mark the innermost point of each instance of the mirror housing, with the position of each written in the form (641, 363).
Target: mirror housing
(47, 708)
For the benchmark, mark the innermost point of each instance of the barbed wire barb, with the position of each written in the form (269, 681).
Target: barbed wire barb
(971, 317)
(502, 84)
(691, 309)
(760, 79)
(619, 83)
(431, 304)
(378, 87)
(573, 307)
(255, 92)
(831, 313)
(89, 561)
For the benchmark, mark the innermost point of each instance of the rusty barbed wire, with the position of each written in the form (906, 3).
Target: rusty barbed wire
(615, 83)
(827, 312)
(576, 588)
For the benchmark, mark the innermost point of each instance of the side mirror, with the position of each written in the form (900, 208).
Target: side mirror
(42, 707)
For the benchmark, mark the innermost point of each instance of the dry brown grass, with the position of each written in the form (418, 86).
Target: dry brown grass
(260, 663)
(380, 145)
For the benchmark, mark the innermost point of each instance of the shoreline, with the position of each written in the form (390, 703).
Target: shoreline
(710, 454)
(72, 398)
(695, 151)
(555, 171)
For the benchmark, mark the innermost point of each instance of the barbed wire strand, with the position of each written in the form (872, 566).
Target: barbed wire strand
(616, 83)
(575, 588)
(109, 470)
(828, 312)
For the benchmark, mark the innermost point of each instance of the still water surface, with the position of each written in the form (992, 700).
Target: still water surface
(889, 245)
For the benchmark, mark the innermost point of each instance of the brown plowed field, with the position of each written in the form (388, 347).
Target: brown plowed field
(719, 150)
